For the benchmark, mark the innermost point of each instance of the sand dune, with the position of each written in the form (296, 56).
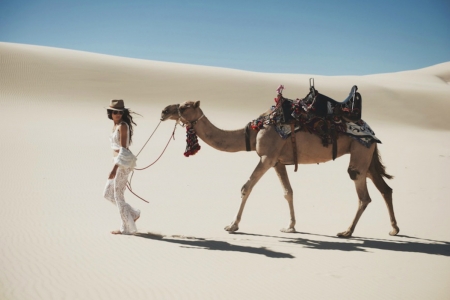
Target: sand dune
(55, 241)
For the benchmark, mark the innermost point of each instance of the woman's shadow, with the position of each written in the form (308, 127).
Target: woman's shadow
(214, 245)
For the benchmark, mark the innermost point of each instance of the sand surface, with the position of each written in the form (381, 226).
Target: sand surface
(55, 158)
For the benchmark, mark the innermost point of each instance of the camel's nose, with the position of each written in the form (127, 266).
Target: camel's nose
(164, 116)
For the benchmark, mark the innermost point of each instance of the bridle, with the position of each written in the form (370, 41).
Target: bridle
(189, 123)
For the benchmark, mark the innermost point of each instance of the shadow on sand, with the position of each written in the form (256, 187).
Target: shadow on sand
(402, 244)
(201, 243)
(425, 246)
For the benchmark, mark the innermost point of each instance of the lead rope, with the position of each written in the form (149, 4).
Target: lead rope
(140, 169)
(148, 139)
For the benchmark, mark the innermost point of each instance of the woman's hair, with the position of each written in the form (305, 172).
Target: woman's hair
(127, 118)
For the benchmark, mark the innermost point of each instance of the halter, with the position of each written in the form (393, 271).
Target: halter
(183, 123)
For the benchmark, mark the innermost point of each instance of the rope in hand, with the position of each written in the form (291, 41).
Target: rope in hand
(172, 136)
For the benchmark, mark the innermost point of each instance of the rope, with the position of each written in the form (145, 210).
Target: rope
(129, 188)
(148, 139)
(140, 169)
(171, 136)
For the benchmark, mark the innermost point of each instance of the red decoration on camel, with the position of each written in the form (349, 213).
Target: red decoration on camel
(279, 94)
(192, 145)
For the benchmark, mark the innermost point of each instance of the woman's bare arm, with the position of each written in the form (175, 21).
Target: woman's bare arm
(123, 135)
(123, 129)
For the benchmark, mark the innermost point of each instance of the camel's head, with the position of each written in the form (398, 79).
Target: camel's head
(187, 112)
(170, 112)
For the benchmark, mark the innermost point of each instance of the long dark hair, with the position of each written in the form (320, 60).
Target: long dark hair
(127, 118)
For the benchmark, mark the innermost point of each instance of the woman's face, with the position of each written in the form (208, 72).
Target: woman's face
(117, 115)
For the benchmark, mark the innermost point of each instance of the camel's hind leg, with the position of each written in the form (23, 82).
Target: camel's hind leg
(288, 194)
(376, 173)
(386, 192)
(264, 164)
(360, 158)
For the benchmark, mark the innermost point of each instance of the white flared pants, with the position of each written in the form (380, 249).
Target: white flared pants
(114, 192)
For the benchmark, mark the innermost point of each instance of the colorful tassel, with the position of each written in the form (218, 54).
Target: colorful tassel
(192, 145)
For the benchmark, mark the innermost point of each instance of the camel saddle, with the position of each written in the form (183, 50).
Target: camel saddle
(322, 106)
(319, 105)
(317, 110)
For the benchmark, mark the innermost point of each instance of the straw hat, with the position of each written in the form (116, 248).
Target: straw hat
(117, 105)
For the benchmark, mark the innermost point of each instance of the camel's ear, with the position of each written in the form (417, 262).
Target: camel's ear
(197, 104)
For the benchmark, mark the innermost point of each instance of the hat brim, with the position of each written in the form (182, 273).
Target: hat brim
(119, 109)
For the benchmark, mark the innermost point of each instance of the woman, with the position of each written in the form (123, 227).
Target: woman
(124, 162)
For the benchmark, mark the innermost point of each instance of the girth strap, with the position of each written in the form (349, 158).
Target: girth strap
(294, 146)
(247, 137)
(334, 137)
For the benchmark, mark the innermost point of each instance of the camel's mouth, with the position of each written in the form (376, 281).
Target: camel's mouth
(165, 117)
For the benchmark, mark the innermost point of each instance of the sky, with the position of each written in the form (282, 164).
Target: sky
(341, 37)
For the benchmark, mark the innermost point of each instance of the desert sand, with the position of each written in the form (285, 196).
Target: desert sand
(55, 159)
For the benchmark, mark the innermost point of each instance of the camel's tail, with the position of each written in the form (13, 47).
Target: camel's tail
(376, 165)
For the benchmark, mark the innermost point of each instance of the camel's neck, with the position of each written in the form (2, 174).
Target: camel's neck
(223, 140)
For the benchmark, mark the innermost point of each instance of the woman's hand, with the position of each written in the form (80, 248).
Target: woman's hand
(112, 175)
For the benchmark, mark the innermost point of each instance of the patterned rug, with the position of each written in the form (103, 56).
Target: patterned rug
(296, 111)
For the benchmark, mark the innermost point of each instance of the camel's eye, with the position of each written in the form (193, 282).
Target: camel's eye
(183, 108)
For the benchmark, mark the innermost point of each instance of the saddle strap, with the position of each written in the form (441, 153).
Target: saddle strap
(333, 135)
(247, 138)
(334, 149)
(294, 146)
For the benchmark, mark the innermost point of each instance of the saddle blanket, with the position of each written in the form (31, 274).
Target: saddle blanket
(359, 131)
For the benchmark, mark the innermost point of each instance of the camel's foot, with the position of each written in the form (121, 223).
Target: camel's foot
(288, 230)
(232, 227)
(345, 234)
(395, 230)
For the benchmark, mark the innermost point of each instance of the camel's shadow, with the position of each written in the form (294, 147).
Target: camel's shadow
(424, 246)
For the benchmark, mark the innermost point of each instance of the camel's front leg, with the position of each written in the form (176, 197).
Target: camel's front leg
(288, 194)
(364, 200)
(264, 164)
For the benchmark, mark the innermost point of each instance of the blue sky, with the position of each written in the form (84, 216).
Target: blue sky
(342, 37)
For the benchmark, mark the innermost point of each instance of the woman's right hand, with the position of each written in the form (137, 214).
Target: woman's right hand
(112, 175)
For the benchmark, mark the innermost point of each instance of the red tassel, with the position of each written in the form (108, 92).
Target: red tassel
(192, 145)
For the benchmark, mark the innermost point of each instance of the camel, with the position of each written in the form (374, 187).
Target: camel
(275, 152)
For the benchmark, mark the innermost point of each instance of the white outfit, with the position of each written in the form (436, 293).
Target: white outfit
(115, 188)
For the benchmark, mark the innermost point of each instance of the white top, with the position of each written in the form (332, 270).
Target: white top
(115, 138)
(125, 158)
